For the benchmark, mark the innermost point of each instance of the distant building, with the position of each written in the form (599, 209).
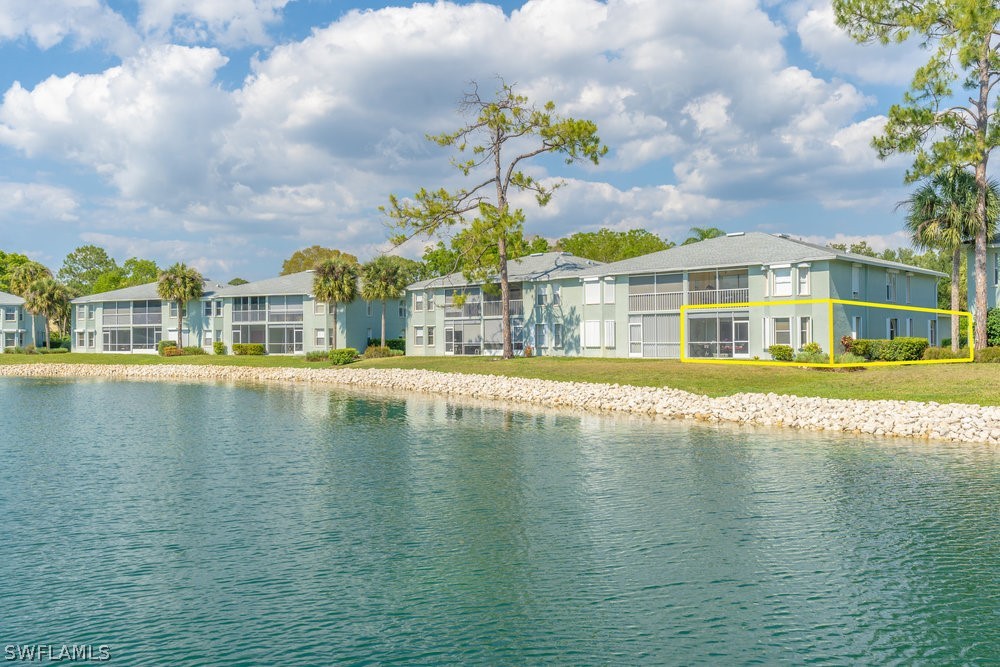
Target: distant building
(992, 274)
(17, 326)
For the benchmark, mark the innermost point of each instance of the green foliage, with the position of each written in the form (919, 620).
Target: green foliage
(336, 281)
(848, 358)
(30, 349)
(391, 343)
(993, 327)
(54, 350)
(163, 345)
(812, 357)
(847, 342)
(83, 267)
(218, 347)
(860, 248)
(963, 341)
(932, 353)
(311, 257)
(988, 355)
(47, 298)
(812, 348)
(702, 234)
(606, 245)
(343, 356)
(193, 349)
(317, 355)
(898, 349)
(248, 349)
(133, 272)
(781, 352)
(180, 283)
(377, 352)
(8, 262)
(469, 255)
(238, 281)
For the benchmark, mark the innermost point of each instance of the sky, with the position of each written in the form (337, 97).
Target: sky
(228, 134)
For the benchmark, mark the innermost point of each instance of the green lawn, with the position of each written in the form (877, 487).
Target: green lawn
(943, 383)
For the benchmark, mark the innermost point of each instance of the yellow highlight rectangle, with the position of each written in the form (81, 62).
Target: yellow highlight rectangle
(830, 303)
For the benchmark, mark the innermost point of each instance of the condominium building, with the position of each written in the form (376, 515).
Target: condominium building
(18, 328)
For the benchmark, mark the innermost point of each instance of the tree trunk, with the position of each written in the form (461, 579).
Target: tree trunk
(47, 341)
(383, 322)
(982, 126)
(180, 324)
(334, 307)
(956, 266)
(34, 331)
(508, 336)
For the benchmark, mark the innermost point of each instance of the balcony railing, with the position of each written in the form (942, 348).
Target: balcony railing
(249, 316)
(471, 309)
(494, 308)
(644, 303)
(708, 296)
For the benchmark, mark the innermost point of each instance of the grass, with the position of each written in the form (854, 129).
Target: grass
(942, 383)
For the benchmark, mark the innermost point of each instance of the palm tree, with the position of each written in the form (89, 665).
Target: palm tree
(941, 214)
(46, 297)
(383, 278)
(21, 277)
(703, 233)
(334, 282)
(180, 283)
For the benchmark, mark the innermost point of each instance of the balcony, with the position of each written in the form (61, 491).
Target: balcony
(473, 309)
(249, 316)
(647, 303)
(711, 296)
(494, 308)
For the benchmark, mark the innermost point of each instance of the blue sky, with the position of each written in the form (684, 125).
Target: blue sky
(229, 133)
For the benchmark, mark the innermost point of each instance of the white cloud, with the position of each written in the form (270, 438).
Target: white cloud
(41, 203)
(225, 22)
(82, 22)
(878, 242)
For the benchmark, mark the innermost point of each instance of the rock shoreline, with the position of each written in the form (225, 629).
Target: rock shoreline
(909, 419)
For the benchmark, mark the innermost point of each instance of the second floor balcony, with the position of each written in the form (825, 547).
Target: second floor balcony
(711, 296)
(660, 301)
(495, 308)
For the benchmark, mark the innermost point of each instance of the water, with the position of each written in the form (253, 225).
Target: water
(207, 524)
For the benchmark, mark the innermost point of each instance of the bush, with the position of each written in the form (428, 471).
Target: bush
(850, 358)
(963, 341)
(398, 353)
(30, 349)
(173, 351)
(897, 349)
(781, 352)
(391, 343)
(847, 342)
(248, 349)
(317, 355)
(377, 352)
(343, 356)
(812, 357)
(162, 346)
(66, 345)
(988, 355)
(59, 350)
(10, 350)
(945, 353)
(219, 347)
(811, 348)
(993, 327)
(194, 349)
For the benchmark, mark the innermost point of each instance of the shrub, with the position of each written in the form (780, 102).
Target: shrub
(9, 350)
(988, 355)
(219, 347)
(248, 349)
(811, 348)
(162, 346)
(897, 349)
(194, 349)
(963, 341)
(993, 327)
(847, 342)
(317, 355)
(945, 353)
(850, 358)
(377, 352)
(174, 351)
(391, 343)
(66, 345)
(398, 353)
(59, 350)
(343, 356)
(30, 348)
(781, 352)
(812, 357)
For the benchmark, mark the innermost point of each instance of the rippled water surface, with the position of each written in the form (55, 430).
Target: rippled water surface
(205, 524)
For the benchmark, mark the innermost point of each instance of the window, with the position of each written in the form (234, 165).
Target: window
(79, 339)
(609, 333)
(782, 281)
(91, 339)
(556, 297)
(592, 333)
(932, 332)
(237, 336)
(856, 280)
(402, 308)
(782, 331)
(540, 295)
(892, 327)
(208, 309)
(418, 302)
(805, 331)
(430, 300)
(218, 335)
(890, 286)
(909, 326)
(430, 336)
(81, 313)
(320, 339)
(540, 336)
(10, 314)
(418, 335)
(368, 309)
(319, 308)
(609, 291)
(908, 276)
(803, 280)
(856, 333)
(218, 308)
(207, 336)
(173, 309)
(284, 309)
(591, 292)
(557, 335)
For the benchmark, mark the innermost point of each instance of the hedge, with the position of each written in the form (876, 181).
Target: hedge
(897, 349)
(344, 355)
(378, 352)
(391, 343)
(993, 327)
(162, 346)
(193, 349)
(781, 352)
(219, 347)
(317, 355)
(249, 349)
(945, 353)
(988, 355)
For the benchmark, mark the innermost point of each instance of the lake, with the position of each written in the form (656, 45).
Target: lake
(211, 524)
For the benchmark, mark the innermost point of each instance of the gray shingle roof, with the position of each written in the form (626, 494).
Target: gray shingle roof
(140, 293)
(8, 299)
(292, 284)
(539, 266)
(743, 249)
